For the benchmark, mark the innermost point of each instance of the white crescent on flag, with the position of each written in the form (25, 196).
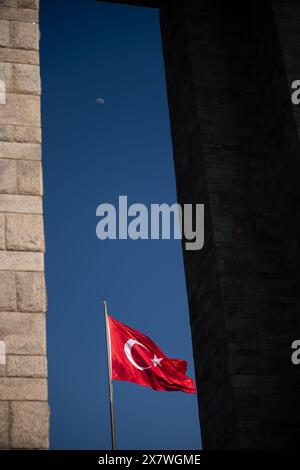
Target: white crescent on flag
(127, 349)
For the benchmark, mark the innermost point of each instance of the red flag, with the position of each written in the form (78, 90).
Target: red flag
(135, 358)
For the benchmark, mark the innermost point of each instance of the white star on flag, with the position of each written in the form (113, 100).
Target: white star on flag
(156, 361)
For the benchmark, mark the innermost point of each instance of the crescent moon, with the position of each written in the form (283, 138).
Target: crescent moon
(127, 349)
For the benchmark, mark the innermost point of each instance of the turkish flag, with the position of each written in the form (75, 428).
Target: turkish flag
(135, 358)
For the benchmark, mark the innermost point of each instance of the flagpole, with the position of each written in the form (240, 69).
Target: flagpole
(110, 385)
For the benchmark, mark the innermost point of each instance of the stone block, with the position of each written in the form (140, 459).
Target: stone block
(4, 425)
(2, 232)
(23, 333)
(20, 205)
(28, 134)
(8, 176)
(31, 292)
(29, 177)
(21, 261)
(32, 4)
(7, 292)
(24, 35)
(12, 388)
(26, 366)
(19, 56)
(22, 110)
(16, 150)
(4, 33)
(19, 14)
(20, 134)
(26, 79)
(24, 232)
(29, 425)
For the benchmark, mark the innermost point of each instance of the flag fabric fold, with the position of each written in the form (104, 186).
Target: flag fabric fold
(136, 358)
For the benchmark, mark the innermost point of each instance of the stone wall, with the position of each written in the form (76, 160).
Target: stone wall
(233, 127)
(24, 410)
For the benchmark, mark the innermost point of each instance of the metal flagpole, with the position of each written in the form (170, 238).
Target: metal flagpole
(111, 398)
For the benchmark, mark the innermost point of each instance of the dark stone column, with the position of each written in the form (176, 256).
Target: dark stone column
(276, 33)
(242, 304)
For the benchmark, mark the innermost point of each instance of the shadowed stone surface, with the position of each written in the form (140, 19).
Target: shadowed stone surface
(233, 128)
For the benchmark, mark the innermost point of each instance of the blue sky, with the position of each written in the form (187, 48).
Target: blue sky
(92, 153)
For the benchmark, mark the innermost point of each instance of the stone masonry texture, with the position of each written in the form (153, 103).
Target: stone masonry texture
(229, 69)
(234, 131)
(24, 411)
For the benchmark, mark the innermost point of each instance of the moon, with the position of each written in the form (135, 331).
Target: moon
(127, 349)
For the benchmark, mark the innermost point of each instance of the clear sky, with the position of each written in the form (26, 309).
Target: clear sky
(93, 153)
